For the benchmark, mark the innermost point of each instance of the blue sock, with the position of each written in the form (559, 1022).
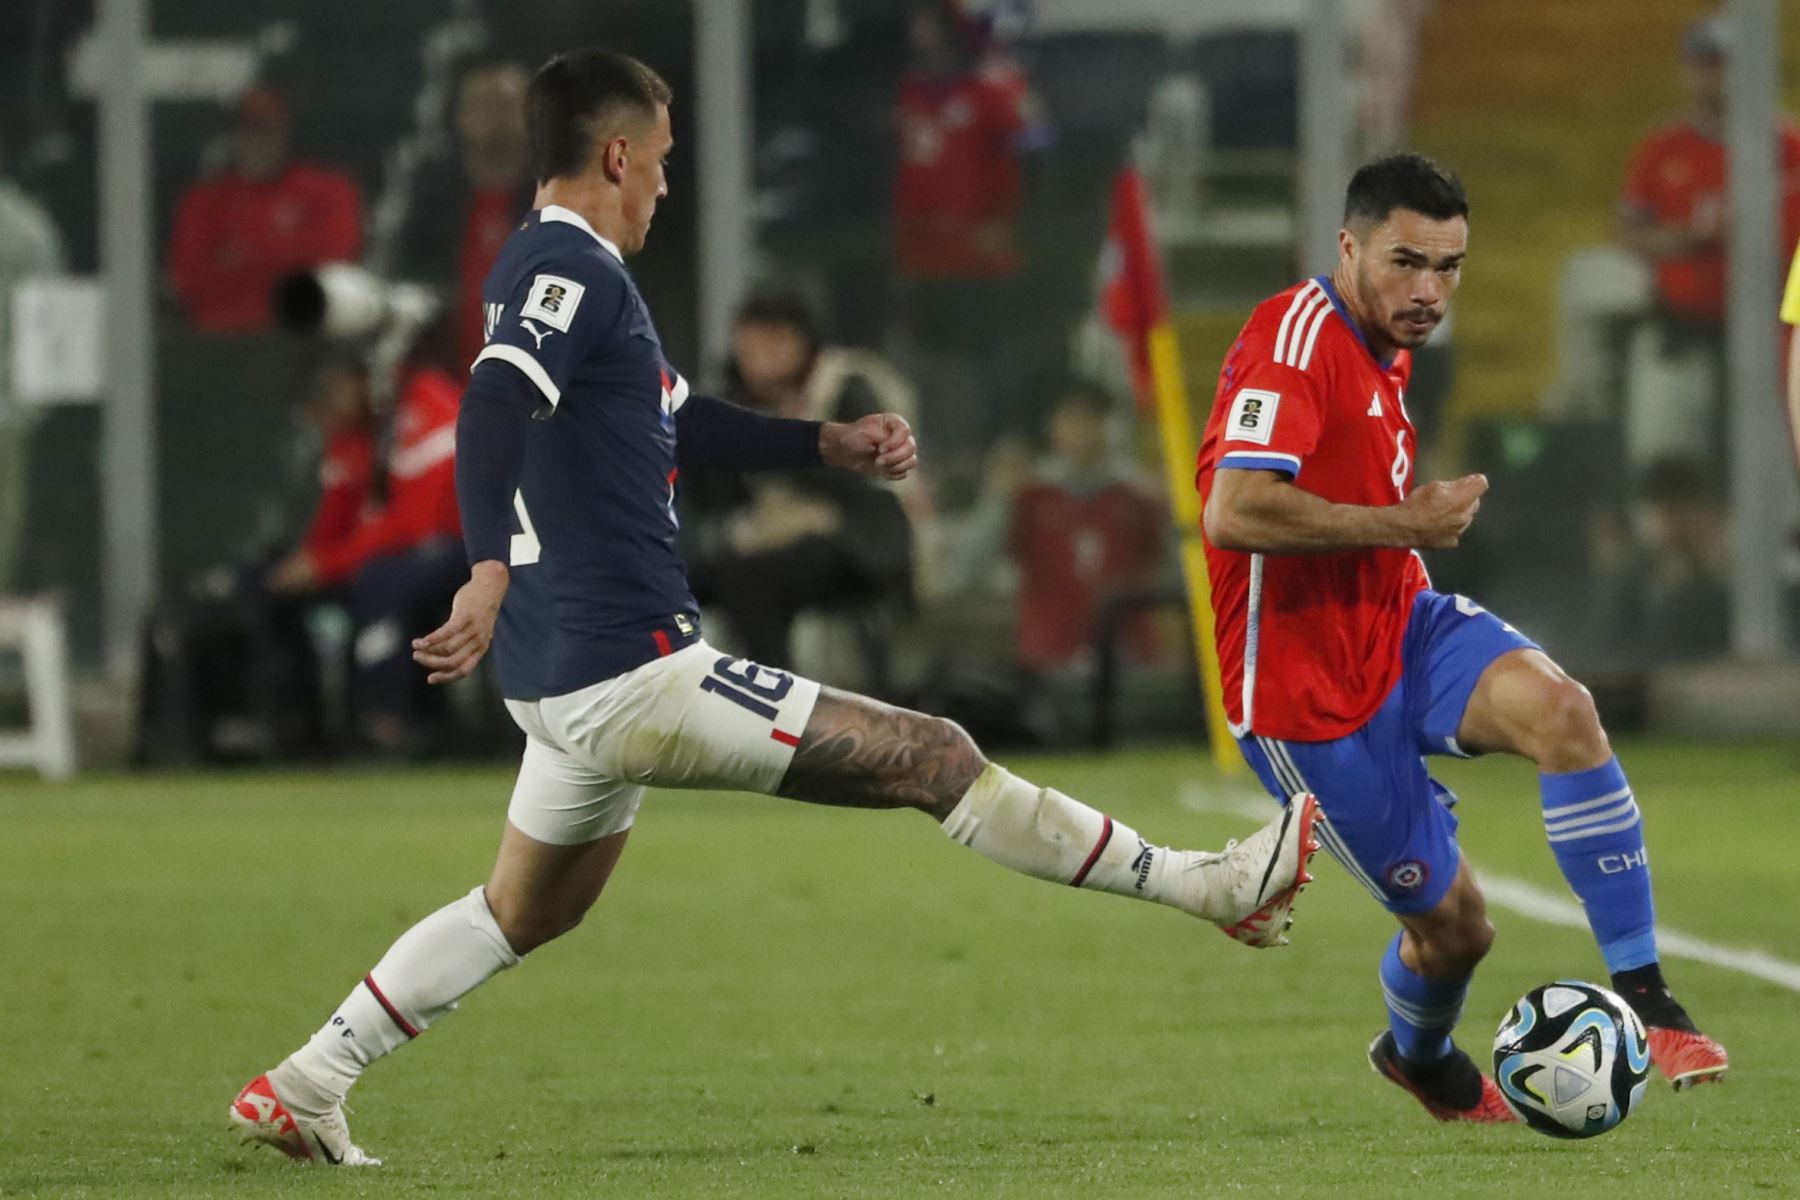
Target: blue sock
(1421, 1011)
(1594, 829)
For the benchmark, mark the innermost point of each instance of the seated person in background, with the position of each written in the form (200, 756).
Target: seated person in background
(764, 547)
(399, 561)
(262, 217)
(339, 410)
(1081, 531)
(462, 212)
(1076, 529)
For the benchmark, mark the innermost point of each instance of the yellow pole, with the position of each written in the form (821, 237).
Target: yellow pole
(1176, 425)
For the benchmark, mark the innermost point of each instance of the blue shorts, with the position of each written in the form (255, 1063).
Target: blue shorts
(1386, 820)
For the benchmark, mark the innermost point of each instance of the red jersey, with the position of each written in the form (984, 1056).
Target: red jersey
(1309, 645)
(958, 186)
(421, 481)
(235, 237)
(1676, 177)
(1072, 548)
(344, 476)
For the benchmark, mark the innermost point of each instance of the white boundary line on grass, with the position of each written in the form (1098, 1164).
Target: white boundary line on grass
(1526, 899)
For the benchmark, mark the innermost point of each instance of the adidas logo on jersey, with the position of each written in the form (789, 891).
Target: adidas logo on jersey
(1375, 405)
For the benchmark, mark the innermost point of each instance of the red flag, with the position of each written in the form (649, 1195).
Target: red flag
(1132, 297)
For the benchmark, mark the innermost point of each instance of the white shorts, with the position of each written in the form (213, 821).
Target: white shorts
(696, 719)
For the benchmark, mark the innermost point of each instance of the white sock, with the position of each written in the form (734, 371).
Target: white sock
(1043, 833)
(421, 977)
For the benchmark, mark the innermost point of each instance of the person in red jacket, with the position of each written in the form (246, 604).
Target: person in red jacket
(964, 116)
(400, 559)
(263, 217)
(962, 111)
(1081, 531)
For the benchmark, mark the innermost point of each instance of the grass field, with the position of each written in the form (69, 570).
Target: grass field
(776, 1000)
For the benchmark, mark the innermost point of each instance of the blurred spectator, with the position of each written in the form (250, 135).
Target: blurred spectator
(1384, 38)
(1081, 529)
(1674, 214)
(401, 558)
(963, 112)
(29, 246)
(1674, 203)
(462, 213)
(262, 217)
(1076, 527)
(279, 605)
(766, 547)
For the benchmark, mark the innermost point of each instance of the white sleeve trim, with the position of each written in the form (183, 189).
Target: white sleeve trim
(532, 369)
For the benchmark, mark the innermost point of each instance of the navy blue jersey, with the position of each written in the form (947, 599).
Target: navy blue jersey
(597, 587)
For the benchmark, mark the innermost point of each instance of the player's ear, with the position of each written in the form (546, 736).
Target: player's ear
(613, 155)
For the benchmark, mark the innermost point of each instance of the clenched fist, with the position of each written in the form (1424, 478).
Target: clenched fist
(1437, 514)
(879, 444)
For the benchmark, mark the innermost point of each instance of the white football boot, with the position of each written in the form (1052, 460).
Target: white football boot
(260, 1117)
(1251, 886)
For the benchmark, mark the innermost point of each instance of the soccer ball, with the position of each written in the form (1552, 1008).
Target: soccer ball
(1571, 1059)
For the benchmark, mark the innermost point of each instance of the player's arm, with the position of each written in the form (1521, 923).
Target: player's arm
(1261, 512)
(710, 432)
(490, 457)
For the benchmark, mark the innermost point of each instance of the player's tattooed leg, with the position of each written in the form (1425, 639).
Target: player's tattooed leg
(861, 753)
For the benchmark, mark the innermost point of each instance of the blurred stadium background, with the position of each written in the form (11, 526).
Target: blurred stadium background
(922, 202)
(156, 455)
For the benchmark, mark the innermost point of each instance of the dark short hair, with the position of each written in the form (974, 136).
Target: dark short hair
(786, 309)
(1409, 181)
(576, 95)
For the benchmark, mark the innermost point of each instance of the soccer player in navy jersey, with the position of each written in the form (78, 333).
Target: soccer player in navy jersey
(569, 442)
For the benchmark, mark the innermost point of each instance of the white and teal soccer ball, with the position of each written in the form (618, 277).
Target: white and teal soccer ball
(1572, 1059)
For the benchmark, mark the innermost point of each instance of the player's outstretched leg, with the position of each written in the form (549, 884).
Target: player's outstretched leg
(1424, 977)
(860, 752)
(537, 892)
(1526, 704)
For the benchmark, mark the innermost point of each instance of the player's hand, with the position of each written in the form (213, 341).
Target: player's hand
(880, 444)
(451, 650)
(1437, 514)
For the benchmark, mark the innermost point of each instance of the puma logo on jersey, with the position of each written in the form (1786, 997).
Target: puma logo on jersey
(1375, 405)
(538, 334)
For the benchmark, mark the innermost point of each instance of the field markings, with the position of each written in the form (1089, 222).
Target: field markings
(1518, 896)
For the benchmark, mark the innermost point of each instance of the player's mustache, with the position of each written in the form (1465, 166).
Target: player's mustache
(1422, 314)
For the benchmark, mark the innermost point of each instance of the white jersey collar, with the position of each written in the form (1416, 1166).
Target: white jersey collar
(568, 216)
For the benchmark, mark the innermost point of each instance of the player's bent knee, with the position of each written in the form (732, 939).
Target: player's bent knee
(1567, 734)
(960, 763)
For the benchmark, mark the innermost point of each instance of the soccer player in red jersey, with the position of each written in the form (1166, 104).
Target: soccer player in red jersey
(1343, 668)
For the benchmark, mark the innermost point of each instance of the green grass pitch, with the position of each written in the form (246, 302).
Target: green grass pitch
(779, 1000)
